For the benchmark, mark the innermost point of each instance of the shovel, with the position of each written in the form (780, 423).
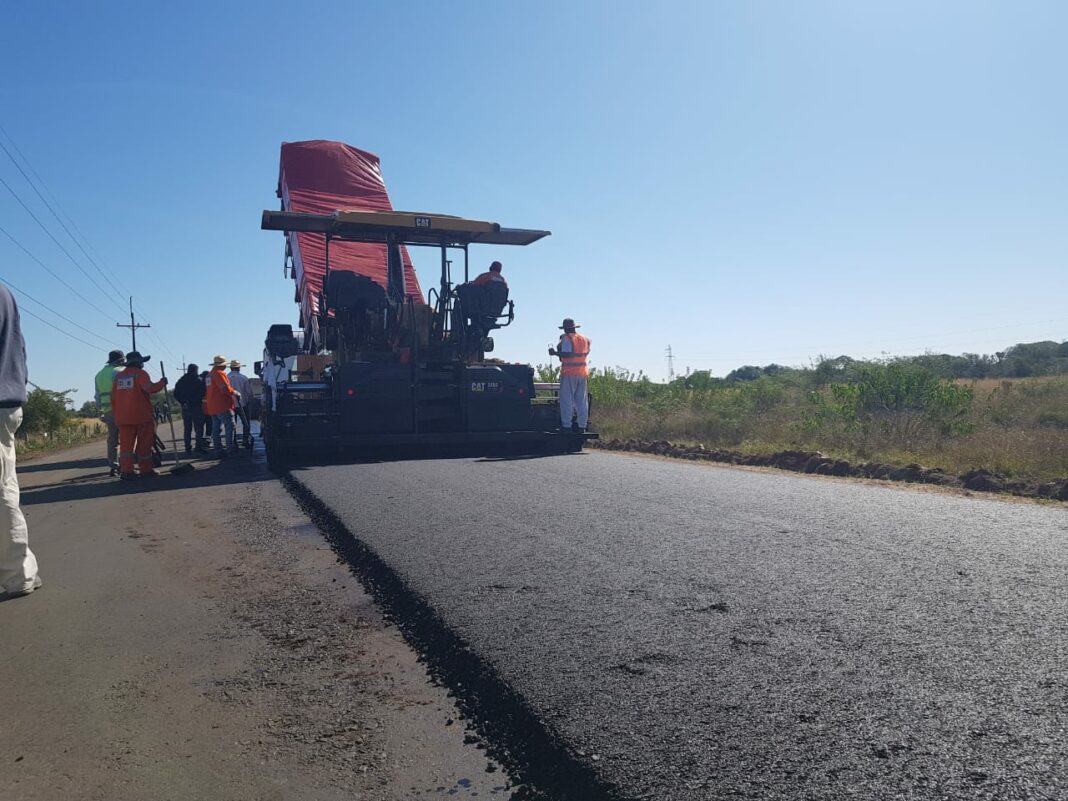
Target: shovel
(179, 469)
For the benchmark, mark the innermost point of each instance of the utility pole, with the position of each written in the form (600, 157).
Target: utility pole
(671, 364)
(133, 325)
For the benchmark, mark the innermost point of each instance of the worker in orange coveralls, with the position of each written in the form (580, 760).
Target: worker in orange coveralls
(131, 394)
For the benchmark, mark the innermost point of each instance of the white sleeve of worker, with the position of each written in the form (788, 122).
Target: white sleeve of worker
(565, 346)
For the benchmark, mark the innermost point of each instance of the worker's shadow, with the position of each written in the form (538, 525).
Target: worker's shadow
(73, 464)
(236, 470)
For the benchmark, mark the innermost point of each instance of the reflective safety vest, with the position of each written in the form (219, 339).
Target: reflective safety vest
(574, 363)
(103, 387)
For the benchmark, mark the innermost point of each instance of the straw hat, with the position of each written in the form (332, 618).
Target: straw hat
(235, 364)
(218, 361)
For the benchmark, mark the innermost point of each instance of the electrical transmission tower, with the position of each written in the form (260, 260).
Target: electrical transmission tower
(671, 364)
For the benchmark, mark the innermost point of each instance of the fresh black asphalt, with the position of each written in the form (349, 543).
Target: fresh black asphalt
(699, 632)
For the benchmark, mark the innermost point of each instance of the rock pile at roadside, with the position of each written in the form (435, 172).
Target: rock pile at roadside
(979, 480)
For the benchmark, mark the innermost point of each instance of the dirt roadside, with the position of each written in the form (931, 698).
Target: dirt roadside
(196, 638)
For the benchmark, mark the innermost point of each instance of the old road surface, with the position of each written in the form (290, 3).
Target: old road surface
(637, 628)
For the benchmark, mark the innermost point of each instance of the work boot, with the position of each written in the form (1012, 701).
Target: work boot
(113, 471)
(128, 476)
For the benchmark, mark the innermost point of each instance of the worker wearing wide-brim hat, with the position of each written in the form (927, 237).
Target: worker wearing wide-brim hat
(103, 382)
(573, 350)
(243, 387)
(219, 404)
(131, 400)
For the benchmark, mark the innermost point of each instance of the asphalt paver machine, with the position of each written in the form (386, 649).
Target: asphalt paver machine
(377, 365)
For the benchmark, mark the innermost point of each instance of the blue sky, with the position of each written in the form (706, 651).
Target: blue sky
(748, 182)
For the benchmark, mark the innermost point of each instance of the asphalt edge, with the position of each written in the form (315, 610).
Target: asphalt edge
(817, 463)
(544, 768)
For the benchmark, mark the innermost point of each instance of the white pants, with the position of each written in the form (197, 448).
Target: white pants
(18, 565)
(574, 400)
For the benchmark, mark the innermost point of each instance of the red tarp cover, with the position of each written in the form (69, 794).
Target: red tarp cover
(321, 177)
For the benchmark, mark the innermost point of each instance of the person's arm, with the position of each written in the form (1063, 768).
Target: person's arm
(153, 388)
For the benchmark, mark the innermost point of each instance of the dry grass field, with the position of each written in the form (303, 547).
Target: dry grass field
(1015, 427)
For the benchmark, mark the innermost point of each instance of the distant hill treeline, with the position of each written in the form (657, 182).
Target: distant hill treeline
(1023, 360)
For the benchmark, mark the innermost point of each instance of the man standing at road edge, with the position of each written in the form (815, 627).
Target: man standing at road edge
(243, 387)
(104, 380)
(189, 392)
(18, 565)
(574, 400)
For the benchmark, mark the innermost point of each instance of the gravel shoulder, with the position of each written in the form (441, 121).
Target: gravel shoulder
(196, 638)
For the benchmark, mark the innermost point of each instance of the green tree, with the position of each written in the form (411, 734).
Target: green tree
(46, 411)
(89, 409)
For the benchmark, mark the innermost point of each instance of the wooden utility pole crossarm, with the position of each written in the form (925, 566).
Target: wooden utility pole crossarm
(133, 325)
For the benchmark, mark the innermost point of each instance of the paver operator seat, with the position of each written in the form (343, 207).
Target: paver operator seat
(481, 307)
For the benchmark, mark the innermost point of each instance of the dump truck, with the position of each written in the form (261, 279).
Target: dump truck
(373, 363)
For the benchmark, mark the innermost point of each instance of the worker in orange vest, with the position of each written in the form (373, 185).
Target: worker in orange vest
(574, 400)
(131, 403)
(492, 275)
(219, 404)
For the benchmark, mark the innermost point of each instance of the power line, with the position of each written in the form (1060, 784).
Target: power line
(31, 298)
(60, 330)
(158, 340)
(73, 224)
(92, 261)
(59, 244)
(54, 214)
(55, 200)
(47, 269)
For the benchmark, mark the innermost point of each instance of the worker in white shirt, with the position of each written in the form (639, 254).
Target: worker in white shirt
(573, 350)
(243, 387)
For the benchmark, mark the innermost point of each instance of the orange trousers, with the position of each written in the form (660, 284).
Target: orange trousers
(136, 442)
